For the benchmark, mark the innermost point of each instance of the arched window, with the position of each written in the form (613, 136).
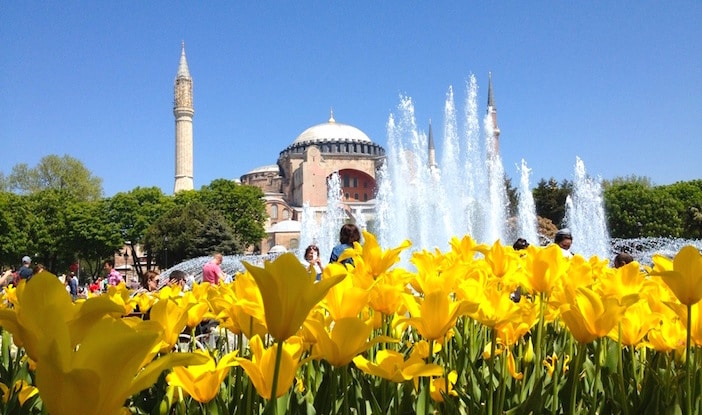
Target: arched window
(274, 211)
(286, 214)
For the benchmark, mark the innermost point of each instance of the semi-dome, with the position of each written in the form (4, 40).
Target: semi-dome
(264, 169)
(332, 130)
(286, 226)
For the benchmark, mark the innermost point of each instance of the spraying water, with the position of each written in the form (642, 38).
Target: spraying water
(585, 215)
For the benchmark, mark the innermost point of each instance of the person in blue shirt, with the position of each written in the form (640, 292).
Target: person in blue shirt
(348, 234)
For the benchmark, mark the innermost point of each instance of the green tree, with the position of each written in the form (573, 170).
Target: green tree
(90, 237)
(65, 174)
(689, 194)
(512, 197)
(133, 212)
(16, 217)
(242, 206)
(550, 199)
(187, 232)
(635, 210)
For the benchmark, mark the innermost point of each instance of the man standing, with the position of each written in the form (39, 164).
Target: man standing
(564, 239)
(113, 276)
(211, 271)
(25, 272)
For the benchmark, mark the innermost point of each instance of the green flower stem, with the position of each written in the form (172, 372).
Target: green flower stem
(538, 347)
(554, 385)
(491, 369)
(276, 373)
(620, 371)
(595, 380)
(574, 375)
(345, 389)
(688, 363)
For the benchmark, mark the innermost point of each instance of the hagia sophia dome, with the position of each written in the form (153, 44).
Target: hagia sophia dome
(331, 130)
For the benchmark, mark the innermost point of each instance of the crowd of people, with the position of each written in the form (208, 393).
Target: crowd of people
(213, 274)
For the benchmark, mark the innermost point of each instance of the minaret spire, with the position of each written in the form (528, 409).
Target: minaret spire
(492, 111)
(432, 149)
(183, 111)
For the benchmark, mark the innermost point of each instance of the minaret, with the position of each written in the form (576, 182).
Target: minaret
(183, 111)
(492, 111)
(432, 149)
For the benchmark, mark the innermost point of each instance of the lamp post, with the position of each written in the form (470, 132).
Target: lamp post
(165, 244)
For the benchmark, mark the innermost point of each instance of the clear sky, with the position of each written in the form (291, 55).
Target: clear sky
(618, 84)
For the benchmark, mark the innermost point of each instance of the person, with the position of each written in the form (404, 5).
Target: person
(96, 286)
(313, 260)
(211, 271)
(6, 278)
(72, 281)
(622, 259)
(25, 272)
(348, 234)
(520, 244)
(177, 278)
(564, 239)
(151, 281)
(113, 276)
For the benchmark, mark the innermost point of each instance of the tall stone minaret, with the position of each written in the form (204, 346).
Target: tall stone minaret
(183, 111)
(432, 150)
(492, 112)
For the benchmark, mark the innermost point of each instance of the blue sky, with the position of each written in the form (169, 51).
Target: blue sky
(618, 84)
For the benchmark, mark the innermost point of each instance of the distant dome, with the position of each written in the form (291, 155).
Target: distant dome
(286, 226)
(331, 130)
(263, 169)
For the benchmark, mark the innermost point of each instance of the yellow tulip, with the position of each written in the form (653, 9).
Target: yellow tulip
(172, 319)
(544, 268)
(288, 293)
(685, 278)
(392, 366)
(261, 367)
(436, 314)
(669, 335)
(203, 382)
(588, 316)
(443, 386)
(502, 260)
(347, 339)
(23, 390)
(112, 362)
(636, 322)
(371, 260)
(625, 283)
(389, 293)
(344, 299)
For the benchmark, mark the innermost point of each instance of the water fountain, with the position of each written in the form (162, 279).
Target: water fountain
(463, 194)
(585, 215)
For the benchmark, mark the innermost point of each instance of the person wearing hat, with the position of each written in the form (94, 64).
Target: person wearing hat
(564, 239)
(25, 272)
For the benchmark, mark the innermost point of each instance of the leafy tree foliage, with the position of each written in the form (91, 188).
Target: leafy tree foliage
(689, 194)
(65, 174)
(550, 199)
(635, 210)
(192, 231)
(242, 206)
(16, 218)
(133, 212)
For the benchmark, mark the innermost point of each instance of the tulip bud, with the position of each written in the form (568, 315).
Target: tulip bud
(529, 353)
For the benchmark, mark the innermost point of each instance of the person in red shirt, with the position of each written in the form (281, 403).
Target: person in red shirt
(211, 271)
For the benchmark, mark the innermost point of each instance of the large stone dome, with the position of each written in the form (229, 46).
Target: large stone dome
(332, 131)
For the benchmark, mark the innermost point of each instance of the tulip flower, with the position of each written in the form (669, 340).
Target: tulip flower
(588, 315)
(443, 386)
(347, 339)
(261, 367)
(685, 277)
(23, 390)
(392, 366)
(203, 381)
(544, 268)
(436, 314)
(371, 261)
(343, 299)
(288, 293)
(172, 318)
